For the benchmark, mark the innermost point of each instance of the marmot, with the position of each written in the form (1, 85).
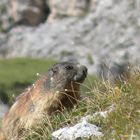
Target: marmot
(58, 90)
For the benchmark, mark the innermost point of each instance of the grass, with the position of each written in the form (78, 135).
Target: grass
(18, 73)
(122, 123)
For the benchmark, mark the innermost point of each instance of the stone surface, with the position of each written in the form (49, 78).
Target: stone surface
(22, 12)
(66, 8)
(29, 12)
(79, 131)
(5, 15)
(3, 109)
(106, 39)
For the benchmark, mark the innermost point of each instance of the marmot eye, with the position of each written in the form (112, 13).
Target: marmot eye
(69, 67)
(54, 71)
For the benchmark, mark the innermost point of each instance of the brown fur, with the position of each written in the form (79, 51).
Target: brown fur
(40, 100)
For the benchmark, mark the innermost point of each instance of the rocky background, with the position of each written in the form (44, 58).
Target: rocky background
(102, 34)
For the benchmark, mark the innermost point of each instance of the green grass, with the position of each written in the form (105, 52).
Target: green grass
(18, 73)
(122, 123)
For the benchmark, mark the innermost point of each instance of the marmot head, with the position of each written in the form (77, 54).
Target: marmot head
(65, 75)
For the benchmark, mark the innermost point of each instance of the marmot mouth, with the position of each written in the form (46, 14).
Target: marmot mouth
(81, 74)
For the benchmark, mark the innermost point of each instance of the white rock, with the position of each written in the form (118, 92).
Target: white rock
(80, 130)
(101, 113)
(105, 113)
(3, 109)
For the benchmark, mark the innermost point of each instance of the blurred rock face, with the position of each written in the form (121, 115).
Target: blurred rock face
(22, 12)
(106, 39)
(34, 12)
(5, 15)
(60, 8)
(30, 12)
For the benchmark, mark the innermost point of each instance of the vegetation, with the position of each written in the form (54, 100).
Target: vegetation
(121, 100)
(17, 74)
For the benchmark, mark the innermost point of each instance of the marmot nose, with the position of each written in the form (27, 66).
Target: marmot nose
(84, 70)
(81, 73)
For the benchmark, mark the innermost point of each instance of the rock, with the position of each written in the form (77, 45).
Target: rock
(29, 12)
(66, 8)
(3, 49)
(5, 15)
(106, 40)
(79, 131)
(3, 109)
(19, 12)
(103, 114)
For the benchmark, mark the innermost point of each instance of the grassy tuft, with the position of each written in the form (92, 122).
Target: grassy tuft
(121, 123)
